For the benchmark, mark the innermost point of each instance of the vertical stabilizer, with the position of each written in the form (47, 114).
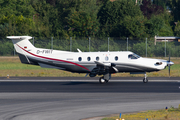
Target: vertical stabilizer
(22, 43)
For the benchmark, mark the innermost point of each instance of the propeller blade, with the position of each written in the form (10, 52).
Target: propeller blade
(169, 64)
(169, 69)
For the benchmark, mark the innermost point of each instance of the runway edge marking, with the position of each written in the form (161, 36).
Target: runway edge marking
(15, 80)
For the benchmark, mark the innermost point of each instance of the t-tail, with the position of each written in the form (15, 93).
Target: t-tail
(22, 44)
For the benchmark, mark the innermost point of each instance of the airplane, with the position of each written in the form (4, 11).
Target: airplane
(92, 63)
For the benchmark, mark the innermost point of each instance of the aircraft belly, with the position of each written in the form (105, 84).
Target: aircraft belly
(77, 69)
(71, 68)
(123, 69)
(134, 68)
(63, 65)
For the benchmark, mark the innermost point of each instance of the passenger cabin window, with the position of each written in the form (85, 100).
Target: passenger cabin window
(116, 58)
(88, 58)
(133, 56)
(80, 59)
(106, 58)
(97, 58)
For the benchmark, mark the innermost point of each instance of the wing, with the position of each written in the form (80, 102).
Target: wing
(105, 64)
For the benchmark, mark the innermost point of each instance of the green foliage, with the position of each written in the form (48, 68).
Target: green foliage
(154, 25)
(177, 29)
(159, 25)
(46, 13)
(16, 7)
(166, 31)
(6, 48)
(121, 18)
(133, 26)
(174, 6)
(15, 25)
(160, 3)
(15, 17)
(83, 21)
(88, 18)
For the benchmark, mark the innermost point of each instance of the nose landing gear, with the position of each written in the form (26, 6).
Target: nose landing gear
(145, 80)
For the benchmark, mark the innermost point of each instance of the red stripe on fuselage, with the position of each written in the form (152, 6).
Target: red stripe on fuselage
(53, 58)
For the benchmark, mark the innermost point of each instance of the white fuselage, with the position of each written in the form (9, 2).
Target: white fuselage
(84, 62)
(94, 63)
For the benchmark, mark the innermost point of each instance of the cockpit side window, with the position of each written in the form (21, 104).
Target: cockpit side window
(133, 56)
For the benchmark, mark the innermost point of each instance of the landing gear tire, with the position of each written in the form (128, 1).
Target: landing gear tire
(102, 80)
(106, 81)
(145, 80)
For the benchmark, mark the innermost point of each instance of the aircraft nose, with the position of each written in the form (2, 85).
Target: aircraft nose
(169, 63)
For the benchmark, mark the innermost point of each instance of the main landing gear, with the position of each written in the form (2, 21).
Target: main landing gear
(105, 78)
(102, 80)
(145, 80)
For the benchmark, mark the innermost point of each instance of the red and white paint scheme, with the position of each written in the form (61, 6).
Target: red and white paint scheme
(92, 63)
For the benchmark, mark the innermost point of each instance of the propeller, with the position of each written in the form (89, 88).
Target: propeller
(169, 63)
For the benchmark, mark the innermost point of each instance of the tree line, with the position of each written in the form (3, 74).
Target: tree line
(85, 18)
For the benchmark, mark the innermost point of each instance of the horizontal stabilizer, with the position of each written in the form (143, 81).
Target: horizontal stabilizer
(19, 37)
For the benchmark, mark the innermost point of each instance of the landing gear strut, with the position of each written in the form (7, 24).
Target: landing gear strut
(145, 80)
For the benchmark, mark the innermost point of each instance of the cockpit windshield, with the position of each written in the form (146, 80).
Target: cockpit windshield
(133, 56)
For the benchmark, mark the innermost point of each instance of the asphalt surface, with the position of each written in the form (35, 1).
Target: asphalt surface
(46, 98)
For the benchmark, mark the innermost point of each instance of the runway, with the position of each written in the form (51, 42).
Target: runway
(69, 98)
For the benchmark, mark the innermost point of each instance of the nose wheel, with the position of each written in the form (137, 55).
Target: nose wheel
(145, 80)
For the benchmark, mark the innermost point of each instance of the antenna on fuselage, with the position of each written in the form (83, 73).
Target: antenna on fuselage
(79, 50)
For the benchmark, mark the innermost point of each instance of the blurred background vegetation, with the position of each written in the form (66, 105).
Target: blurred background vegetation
(95, 18)
(62, 19)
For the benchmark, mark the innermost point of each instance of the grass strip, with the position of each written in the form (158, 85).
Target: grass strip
(169, 114)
